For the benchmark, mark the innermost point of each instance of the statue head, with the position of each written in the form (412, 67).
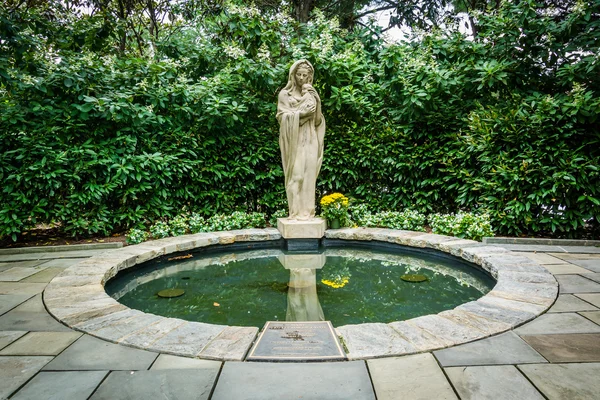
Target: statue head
(301, 73)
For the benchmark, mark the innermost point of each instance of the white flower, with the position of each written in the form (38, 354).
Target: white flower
(263, 53)
(234, 52)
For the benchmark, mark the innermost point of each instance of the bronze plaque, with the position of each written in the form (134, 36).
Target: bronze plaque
(297, 341)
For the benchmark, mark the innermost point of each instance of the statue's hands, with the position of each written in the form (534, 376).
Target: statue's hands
(308, 110)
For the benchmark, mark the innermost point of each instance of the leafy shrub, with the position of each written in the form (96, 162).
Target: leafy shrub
(135, 236)
(159, 230)
(178, 226)
(196, 223)
(237, 220)
(506, 123)
(462, 225)
(277, 214)
(407, 220)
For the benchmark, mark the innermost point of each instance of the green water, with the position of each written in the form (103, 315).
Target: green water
(249, 288)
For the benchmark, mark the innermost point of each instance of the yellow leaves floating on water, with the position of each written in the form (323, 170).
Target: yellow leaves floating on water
(180, 257)
(216, 304)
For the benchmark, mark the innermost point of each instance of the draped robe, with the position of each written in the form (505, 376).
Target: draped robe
(301, 144)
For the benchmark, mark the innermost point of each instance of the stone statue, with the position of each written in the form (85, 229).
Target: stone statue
(302, 128)
(302, 302)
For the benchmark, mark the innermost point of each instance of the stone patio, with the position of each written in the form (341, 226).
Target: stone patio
(555, 356)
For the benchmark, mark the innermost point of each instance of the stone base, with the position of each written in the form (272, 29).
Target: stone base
(296, 229)
(303, 245)
(293, 261)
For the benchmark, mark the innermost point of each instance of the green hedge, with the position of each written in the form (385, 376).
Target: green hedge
(445, 124)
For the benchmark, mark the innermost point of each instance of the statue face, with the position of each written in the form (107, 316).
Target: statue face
(302, 76)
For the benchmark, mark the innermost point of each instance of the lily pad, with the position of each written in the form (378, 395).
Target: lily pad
(414, 278)
(168, 293)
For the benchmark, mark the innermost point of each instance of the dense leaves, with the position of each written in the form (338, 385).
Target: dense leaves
(99, 142)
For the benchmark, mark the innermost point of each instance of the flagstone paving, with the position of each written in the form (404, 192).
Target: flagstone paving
(570, 303)
(555, 356)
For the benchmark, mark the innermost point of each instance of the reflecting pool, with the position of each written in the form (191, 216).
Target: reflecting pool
(344, 285)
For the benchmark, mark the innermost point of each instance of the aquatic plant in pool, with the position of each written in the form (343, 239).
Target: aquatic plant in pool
(343, 285)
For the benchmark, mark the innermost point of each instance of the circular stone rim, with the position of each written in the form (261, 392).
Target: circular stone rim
(523, 291)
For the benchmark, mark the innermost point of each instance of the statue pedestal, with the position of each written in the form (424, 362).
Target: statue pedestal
(302, 235)
(302, 261)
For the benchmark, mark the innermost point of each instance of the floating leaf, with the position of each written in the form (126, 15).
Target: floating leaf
(414, 278)
(168, 293)
(180, 257)
(216, 304)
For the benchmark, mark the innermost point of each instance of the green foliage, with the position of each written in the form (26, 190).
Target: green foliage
(135, 236)
(407, 220)
(277, 214)
(159, 230)
(178, 226)
(462, 225)
(236, 220)
(196, 223)
(505, 124)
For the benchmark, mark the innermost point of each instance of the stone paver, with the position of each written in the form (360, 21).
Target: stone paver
(15, 371)
(89, 353)
(165, 384)
(558, 323)
(41, 344)
(75, 385)
(543, 258)
(565, 381)
(18, 273)
(30, 321)
(562, 335)
(592, 298)
(274, 381)
(44, 276)
(570, 303)
(506, 348)
(63, 263)
(7, 337)
(594, 277)
(491, 382)
(592, 265)
(577, 284)
(567, 348)
(10, 301)
(587, 261)
(581, 249)
(593, 316)
(31, 316)
(20, 264)
(533, 248)
(562, 269)
(414, 377)
(167, 361)
(21, 288)
(50, 255)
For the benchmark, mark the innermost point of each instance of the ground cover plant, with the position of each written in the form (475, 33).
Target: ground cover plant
(464, 225)
(104, 131)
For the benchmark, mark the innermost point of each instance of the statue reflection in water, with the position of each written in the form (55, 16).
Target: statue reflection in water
(303, 302)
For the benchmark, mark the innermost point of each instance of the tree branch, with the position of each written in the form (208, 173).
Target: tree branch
(374, 10)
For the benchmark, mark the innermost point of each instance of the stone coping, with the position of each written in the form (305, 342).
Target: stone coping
(540, 241)
(524, 290)
(55, 249)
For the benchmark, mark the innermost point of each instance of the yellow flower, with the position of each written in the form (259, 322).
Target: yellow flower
(336, 198)
(337, 283)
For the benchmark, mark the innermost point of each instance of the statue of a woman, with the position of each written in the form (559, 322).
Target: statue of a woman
(302, 128)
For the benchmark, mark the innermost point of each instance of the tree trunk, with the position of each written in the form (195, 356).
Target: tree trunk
(302, 9)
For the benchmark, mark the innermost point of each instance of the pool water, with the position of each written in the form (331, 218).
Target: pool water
(342, 285)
